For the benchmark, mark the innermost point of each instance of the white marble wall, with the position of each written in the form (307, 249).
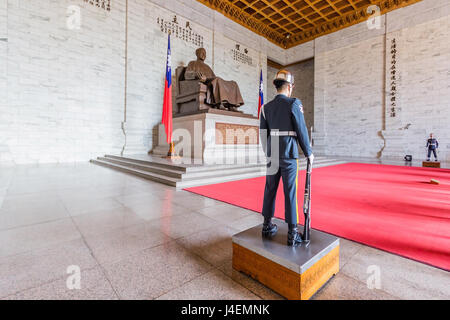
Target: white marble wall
(4, 149)
(65, 85)
(352, 91)
(3, 18)
(424, 86)
(66, 88)
(349, 91)
(147, 47)
(147, 53)
(304, 88)
(271, 91)
(301, 52)
(63, 90)
(349, 98)
(423, 37)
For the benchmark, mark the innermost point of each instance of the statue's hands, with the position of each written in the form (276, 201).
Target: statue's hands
(201, 77)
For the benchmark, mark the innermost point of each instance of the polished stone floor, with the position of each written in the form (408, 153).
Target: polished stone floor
(135, 239)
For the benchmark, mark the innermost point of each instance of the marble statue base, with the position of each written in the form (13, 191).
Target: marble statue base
(214, 137)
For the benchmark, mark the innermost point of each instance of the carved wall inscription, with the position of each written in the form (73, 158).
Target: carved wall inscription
(393, 79)
(241, 56)
(182, 31)
(104, 4)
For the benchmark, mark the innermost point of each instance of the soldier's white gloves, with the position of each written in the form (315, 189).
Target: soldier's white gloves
(311, 158)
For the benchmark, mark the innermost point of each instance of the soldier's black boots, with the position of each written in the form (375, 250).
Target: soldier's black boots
(269, 229)
(294, 237)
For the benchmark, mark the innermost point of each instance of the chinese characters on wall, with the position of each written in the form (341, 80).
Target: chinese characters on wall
(393, 79)
(241, 56)
(182, 32)
(104, 4)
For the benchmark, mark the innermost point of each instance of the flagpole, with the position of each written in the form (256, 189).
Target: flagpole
(261, 93)
(167, 105)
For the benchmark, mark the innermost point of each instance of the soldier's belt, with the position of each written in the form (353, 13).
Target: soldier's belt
(283, 133)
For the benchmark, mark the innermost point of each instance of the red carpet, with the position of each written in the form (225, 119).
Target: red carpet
(392, 208)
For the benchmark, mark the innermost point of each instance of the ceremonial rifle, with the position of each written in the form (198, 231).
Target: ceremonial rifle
(307, 201)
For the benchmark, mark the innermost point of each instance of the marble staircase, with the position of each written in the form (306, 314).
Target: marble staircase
(181, 176)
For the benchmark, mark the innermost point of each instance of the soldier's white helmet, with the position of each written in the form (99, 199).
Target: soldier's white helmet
(285, 75)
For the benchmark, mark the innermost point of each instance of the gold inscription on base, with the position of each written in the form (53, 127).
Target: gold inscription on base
(227, 133)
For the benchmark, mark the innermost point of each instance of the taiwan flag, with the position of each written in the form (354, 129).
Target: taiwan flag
(261, 94)
(167, 106)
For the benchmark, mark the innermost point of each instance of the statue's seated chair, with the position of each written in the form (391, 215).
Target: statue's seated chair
(191, 95)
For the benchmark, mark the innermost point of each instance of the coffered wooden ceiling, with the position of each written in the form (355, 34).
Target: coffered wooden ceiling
(288, 23)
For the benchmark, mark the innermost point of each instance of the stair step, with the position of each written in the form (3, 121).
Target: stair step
(146, 162)
(147, 167)
(221, 173)
(171, 181)
(179, 177)
(143, 174)
(179, 174)
(215, 180)
(184, 168)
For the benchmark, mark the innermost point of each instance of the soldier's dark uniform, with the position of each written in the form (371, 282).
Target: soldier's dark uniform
(283, 119)
(432, 145)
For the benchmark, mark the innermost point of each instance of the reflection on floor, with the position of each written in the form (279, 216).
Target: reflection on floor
(136, 239)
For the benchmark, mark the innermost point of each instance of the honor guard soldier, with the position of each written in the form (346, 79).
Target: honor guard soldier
(432, 146)
(282, 125)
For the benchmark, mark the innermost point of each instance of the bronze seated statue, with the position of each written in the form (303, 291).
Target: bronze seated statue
(200, 89)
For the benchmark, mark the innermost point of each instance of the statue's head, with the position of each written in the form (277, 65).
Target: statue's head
(431, 135)
(201, 54)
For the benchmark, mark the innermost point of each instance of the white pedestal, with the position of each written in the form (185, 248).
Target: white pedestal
(214, 137)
